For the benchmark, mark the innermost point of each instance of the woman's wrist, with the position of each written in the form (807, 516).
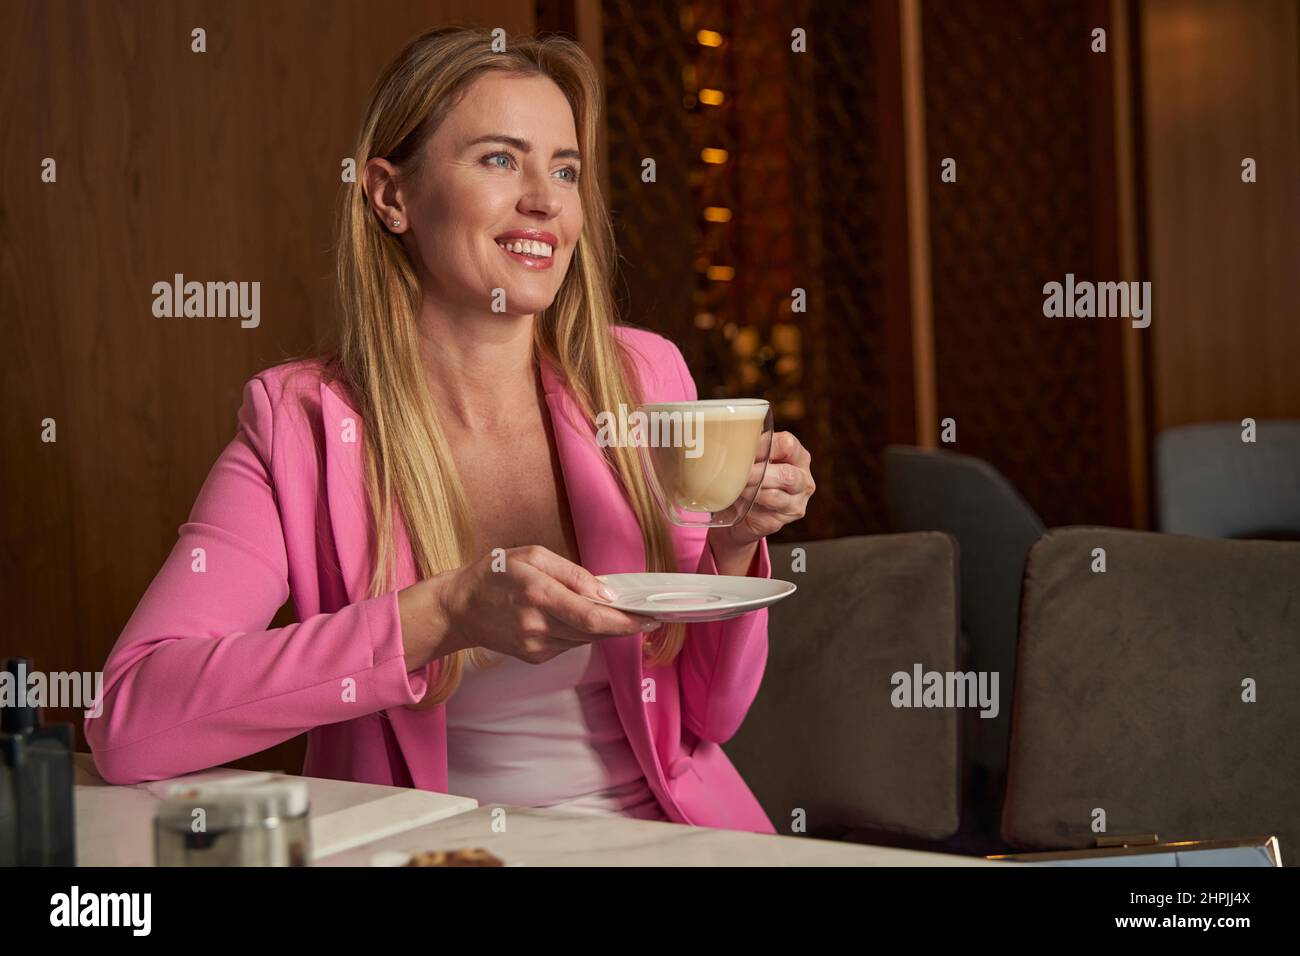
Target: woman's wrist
(731, 558)
(427, 633)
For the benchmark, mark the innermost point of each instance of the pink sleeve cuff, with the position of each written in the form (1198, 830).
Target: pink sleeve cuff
(391, 683)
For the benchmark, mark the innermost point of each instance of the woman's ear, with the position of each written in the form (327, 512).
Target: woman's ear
(383, 190)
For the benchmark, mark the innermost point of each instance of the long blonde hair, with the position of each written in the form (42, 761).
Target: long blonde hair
(410, 475)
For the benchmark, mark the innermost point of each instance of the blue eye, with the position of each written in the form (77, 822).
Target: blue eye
(489, 158)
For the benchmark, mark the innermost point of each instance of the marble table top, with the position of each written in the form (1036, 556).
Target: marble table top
(358, 824)
(115, 824)
(545, 837)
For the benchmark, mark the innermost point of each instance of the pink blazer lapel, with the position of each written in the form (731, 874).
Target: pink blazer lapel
(349, 512)
(349, 517)
(609, 538)
(609, 542)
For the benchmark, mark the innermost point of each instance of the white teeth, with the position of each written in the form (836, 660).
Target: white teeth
(527, 247)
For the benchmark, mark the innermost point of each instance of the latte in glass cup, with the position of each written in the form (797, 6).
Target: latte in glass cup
(707, 458)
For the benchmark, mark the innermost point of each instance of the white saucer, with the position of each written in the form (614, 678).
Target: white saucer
(693, 598)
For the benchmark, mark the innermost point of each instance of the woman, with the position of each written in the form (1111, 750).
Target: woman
(432, 497)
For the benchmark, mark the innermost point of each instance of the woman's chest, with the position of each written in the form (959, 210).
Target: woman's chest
(516, 495)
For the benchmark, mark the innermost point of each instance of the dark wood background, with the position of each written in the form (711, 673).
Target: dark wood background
(223, 165)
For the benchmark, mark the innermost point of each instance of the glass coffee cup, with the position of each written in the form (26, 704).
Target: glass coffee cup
(704, 460)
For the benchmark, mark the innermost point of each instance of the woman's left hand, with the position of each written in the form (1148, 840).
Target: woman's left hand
(782, 497)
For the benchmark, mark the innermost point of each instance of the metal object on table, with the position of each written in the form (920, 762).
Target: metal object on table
(234, 824)
(1139, 851)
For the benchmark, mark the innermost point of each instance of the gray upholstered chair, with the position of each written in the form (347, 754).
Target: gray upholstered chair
(822, 734)
(1129, 690)
(994, 528)
(1211, 484)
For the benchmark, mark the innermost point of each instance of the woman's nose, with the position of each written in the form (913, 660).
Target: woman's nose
(540, 198)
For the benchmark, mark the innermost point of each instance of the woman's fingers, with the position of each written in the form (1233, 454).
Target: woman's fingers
(564, 592)
(787, 478)
(785, 447)
(584, 616)
(782, 502)
(573, 576)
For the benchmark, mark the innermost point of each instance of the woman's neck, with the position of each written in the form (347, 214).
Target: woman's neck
(480, 367)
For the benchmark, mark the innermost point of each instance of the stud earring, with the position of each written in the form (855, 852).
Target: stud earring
(396, 223)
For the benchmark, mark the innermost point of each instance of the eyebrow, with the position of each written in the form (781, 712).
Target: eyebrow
(522, 145)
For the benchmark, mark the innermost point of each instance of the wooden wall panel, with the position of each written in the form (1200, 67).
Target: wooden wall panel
(1015, 96)
(221, 165)
(1221, 83)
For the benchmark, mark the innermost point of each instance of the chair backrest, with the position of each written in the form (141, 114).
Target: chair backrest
(1212, 484)
(995, 528)
(1133, 689)
(823, 735)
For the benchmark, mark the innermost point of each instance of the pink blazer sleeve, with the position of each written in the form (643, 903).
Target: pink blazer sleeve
(722, 663)
(196, 679)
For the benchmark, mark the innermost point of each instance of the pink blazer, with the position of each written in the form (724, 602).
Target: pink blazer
(196, 679)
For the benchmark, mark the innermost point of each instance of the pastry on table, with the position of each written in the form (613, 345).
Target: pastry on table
(470, 856)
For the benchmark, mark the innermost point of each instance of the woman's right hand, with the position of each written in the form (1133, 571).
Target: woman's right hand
(538, 606)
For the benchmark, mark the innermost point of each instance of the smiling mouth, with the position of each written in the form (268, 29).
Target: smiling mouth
(530, 248)
(529, 253)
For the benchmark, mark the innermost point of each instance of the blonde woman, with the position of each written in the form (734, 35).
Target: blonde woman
(454, 422)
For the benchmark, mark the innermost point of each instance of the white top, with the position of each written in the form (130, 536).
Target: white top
(544, 735)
